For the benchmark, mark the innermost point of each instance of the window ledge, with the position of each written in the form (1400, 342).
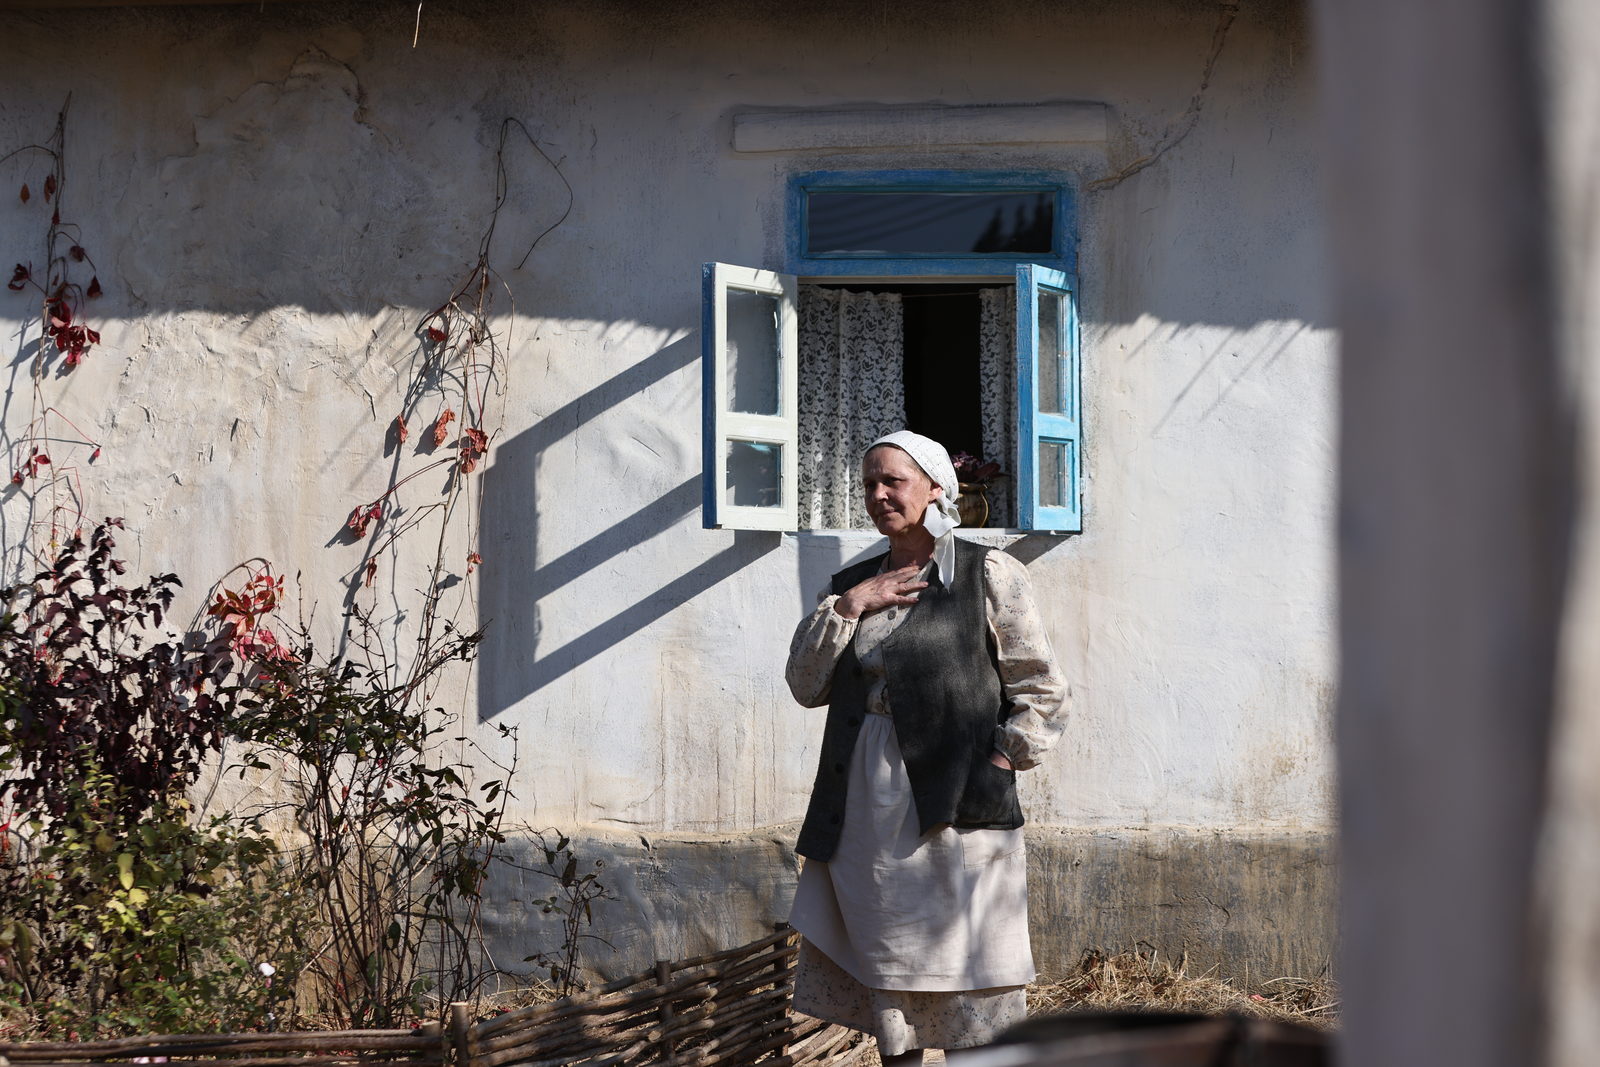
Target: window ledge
(986, 536)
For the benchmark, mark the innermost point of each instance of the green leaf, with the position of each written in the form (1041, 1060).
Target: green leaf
(125, 869)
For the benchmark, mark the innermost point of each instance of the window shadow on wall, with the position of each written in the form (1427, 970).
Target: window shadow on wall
(515, 660)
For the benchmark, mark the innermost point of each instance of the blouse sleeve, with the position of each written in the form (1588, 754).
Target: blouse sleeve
(819, 641)
(1028, 669)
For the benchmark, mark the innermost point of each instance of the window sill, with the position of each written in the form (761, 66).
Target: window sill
(986, 536)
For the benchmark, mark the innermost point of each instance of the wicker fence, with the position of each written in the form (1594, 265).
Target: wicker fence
(719, 1010)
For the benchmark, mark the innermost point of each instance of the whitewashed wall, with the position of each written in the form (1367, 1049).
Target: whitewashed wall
(275, 195)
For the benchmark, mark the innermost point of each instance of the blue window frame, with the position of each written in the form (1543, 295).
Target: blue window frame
(1049, 402)
(749, 457)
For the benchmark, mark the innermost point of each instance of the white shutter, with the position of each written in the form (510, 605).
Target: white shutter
(750, 387)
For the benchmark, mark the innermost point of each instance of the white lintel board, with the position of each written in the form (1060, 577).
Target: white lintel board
(919, 127)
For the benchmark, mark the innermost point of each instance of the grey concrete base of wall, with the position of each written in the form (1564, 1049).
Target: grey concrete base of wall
(1252, 906)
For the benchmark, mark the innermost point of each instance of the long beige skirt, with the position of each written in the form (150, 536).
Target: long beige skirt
(920, 940)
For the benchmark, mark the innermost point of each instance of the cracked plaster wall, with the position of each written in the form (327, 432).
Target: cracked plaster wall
(277, 195)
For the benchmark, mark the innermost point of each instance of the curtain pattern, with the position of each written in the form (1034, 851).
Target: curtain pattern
(997, 395)
(852, 392)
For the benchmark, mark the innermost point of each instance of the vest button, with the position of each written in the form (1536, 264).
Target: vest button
(838, 768)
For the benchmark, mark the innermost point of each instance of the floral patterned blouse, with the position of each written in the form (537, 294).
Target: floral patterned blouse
(1028, 669)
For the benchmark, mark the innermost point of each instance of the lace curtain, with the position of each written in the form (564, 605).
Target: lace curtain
(852, 392)
(997, 395)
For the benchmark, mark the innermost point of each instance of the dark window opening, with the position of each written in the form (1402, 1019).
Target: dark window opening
(941, 324)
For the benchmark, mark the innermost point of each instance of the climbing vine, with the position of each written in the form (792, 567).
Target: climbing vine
(454, 391)
(62, 339)
(397, 819)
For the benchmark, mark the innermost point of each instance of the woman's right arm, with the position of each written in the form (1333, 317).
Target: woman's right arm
(819, 641)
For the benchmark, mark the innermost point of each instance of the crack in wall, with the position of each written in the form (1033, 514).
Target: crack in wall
(1185, 124)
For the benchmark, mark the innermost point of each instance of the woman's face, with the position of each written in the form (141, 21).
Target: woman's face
(897, 491)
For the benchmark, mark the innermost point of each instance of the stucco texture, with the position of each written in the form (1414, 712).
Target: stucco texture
(274, 197)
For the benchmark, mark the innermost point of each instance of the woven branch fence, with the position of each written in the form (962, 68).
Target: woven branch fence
(720, 1010)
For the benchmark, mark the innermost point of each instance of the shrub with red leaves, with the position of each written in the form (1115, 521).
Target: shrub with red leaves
(92, 682)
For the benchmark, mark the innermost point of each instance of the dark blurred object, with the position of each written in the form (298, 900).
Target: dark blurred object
(1154, 1039)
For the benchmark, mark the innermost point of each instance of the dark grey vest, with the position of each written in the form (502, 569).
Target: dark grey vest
(946, 698)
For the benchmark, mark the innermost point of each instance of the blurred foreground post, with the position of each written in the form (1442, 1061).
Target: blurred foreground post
(1462, 142)
(1570, 842)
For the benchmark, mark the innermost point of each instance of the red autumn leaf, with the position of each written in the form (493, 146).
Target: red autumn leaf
(41, 460)
(16, 478)
(77, 253)
(49, 186)
(437, 336)
(372, 571)
(441, 426)
(474, 443)
(95, 454)
(473, 560)
(400, 430)
(93, 335)
(25, 194)
(55, 217)
(94, 289)
(19, 278)
(358, 521)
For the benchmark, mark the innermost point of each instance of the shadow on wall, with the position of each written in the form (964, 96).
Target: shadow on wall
(515, 662)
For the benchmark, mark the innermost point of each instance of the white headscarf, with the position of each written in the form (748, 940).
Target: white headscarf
(942, 516)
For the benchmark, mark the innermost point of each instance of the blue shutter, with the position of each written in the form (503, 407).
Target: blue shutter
(750, 434)
(1049, 405)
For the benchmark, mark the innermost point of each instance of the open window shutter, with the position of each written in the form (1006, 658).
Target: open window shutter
(1049, 409)
(751, 429)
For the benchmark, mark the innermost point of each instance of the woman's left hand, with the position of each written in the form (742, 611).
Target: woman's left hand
(999, 760)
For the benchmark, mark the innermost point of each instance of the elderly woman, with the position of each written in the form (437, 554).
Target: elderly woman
(940, 685)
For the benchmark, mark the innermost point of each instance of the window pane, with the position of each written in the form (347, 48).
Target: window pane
(755, 474)
(1052, 359)
(1055, 474)
(892, 223)
(752, 352)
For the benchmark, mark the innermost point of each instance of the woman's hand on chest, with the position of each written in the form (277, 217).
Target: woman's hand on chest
(890, 589)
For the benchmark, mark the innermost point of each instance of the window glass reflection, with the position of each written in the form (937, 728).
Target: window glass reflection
(1050, 353)
(895, 223)
(1055, 473)
(755, 474)
(752, 352)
